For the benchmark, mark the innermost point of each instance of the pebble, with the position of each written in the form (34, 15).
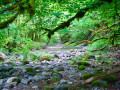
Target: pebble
(25, 81)
(63, 81)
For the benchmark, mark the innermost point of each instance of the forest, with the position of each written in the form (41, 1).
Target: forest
(59, 44)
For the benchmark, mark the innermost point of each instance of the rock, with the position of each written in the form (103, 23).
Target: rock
(1, 81)
(2, 56)
(59, 68)
(12, 79)
(25, 81)
(57, 75)
(1, 87)
(31, 71)
(38, 68)
(49, 88)
(23, 86)
(15, 72)
(35, 87)
(65, 87)
(5, 69)
(70, 82)
(5, 89)
(26, 76)
(37, 78)
(7, 85)
(63, 81)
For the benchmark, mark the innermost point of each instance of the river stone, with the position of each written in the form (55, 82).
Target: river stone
(7, 85)
(25, 81)
(1, 81)
(1, 87)
(65, 87)
(26, 76)
(35, 87)
(5, 69)
(59, 68)
(12, 79)
(23, 86)
(63, 81)
(15, 72)
(49, 87)
(2, 56)
(37, 78)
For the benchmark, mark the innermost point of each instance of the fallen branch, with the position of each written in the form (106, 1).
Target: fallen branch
(96, 77)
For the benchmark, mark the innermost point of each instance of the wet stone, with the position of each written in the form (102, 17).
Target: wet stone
(25, 81)
(23, 86)
(1, 81)
(59, 68)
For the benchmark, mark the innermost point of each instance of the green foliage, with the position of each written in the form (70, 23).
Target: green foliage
(82, 67)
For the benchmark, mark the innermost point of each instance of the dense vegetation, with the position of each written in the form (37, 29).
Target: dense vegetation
(27, 25)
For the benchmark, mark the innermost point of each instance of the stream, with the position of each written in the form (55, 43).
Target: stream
(46, 74)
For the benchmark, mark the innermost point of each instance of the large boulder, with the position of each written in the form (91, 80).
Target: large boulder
(2, 56)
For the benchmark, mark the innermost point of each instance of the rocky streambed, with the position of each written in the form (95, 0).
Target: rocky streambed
(52, 71)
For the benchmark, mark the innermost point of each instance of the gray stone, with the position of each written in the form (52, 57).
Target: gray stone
(59, 68)
(7, 85)
(63, 81)
(25, 81)
(37, 78)
(35, 87)
(1, 81)
(23, 86)
(12, 79)
(1, 87)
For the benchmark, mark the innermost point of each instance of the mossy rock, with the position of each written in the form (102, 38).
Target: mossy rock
(24, 62)
(55, 79)
(105, 85)
(82, 67)
(31, 71)
(83, 63)
(86, 76)
(49, 88)
(83, 88)
(96, 83)
(46, 57)
(110, 79)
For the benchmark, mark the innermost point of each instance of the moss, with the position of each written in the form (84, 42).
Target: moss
(55, 79)
(105, 85)
(96, 83)
(86, 76)
(82, 67)
(25, 62)
(46, 57)
(49, 88)
(110, 79)
(31, 71)
(84, 63)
